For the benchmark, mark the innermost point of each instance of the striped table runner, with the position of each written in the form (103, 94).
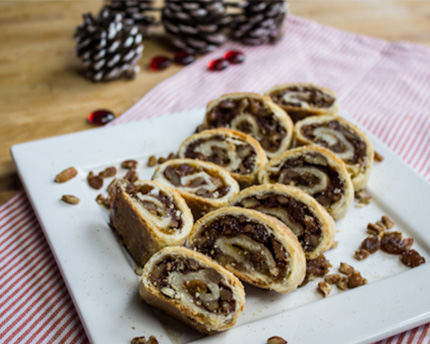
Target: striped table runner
(384, 86)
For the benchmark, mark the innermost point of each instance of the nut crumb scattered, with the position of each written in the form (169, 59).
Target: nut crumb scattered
(356, 280)
(346, 269)
(361, 254)
(387, 222)
(131, 175)
(96, 182)
(408, 243)
(142, 340)
(334, 245)
(161, 160)
(317, 267)
(152, 161)
(152, 340)
(108, 172)
(374, 229)
(371, 244)
(66, 175)
(138, 271)
(129, 164)
(363, 199)
(324, 288)
(70, 199)
(377, 157)
(102, 200)
(341, 281)
(276, 340)
(172, 156)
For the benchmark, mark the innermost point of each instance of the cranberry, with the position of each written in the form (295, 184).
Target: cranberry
(100, 117)
(184, 58)
(160, 62)
(218, 64)
(234, 56)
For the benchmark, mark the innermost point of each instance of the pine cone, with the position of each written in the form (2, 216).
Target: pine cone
(195, 26)
(109, 48)
(134, 12)
(260, 21)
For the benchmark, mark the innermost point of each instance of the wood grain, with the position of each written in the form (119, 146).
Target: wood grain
(42, 95)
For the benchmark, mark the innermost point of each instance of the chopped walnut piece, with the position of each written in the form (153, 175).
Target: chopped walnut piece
(66, 175)
(131, 175)
(363, 198)
(139, 340)
(96, 182)
(356, 280)
(102, 200)
(412, 258)
(346, 269)
(324, 288)
(387, 222)
(108, 172)
(172, 156)
(341, 281)
(152, 161)
(392, 243)
(276, 340)
(152, 340)
(129, 164)
(361, 254)
(409, 242)
(371, 244)
(161, 160)
(374, 229)
(317, 267)
(138, 271)
(70, 199)
(378, 157)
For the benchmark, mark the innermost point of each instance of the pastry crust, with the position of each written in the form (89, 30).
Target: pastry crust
(315, 170)
(238, 153)
(176, 296)
(148, 216)
(308, 219)
(203, 185)
(344, 139)
(249, 112)
(301, 100)
(257, 248)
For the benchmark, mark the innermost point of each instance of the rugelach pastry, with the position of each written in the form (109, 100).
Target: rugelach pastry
(192, 288)
(302, 100)
(257, 248)
(204, 185)
(238, 153)
(148, 216)
(252, 114)
(344, 139)
(300, 212)
(315, 170)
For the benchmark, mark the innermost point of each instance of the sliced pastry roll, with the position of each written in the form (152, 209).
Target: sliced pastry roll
(238, 153)
(257, 248)
(315, 170)
(192, 288)
(148, 216)
(344, 139)
(308, 219)
(252, 114)
(205, 186)
(303, 100)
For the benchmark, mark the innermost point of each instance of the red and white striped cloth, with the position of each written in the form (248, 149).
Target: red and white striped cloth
(384, 86)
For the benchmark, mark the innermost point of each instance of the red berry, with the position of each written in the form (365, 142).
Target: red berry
(160, 62)
(218, 64)
(234, 56)
(184, 58)
(100, 117)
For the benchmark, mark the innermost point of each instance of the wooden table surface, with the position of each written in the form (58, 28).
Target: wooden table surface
(42, 95)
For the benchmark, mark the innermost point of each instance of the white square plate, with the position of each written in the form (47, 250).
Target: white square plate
(101, 279)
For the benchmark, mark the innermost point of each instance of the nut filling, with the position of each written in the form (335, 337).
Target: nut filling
(338, 138)
(197, 180)
(302, 97)
(158, 206)
(250, 116)
(311, 173)
(296, 215)
(205, 287)
(216, 150)
(245, 245)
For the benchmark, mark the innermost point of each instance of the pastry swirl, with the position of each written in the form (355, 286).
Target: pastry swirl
(300, 212)
(204, 185)
(344, 139)
(315, 170)
(238, 153)
(257, 248)
(302, 100)
(252, 114)
(148, 216)
(193, 288)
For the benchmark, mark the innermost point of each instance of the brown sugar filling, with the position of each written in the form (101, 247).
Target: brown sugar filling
(231, 226)
(174, 174)
(298, 213)
(332, 194)
(170, 208)
(219, 156)
(271, 130)
(197, 288)
(359, 145)
(311, 95)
